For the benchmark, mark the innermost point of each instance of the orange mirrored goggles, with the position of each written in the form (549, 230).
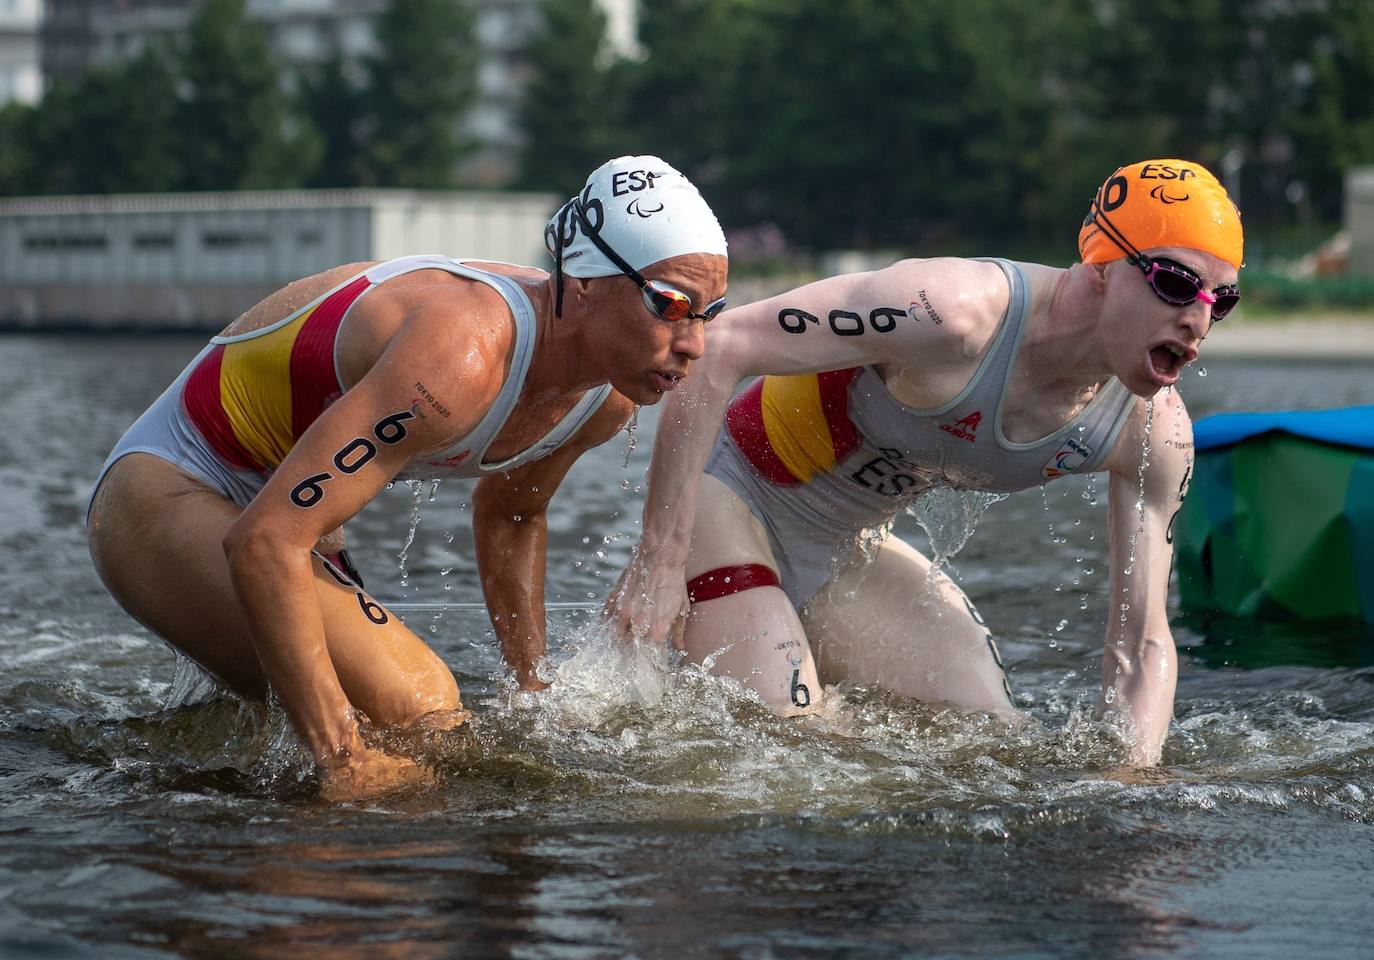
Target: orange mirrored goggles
(669, 303)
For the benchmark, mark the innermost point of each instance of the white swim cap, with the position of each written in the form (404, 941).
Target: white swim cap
(642, 209)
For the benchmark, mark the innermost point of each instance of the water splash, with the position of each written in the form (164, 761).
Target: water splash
(631, 437)
(949, 516)
(190, 685)
(416, 492)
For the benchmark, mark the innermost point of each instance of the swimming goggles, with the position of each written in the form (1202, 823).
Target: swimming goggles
(660, 299)
(1171, 281)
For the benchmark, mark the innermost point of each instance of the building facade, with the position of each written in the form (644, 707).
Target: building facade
(196, 261)
(21, 75)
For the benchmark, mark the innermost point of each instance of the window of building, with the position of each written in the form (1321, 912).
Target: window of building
(227, 240)
(66, 241)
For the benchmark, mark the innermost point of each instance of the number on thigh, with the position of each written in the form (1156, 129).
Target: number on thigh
(384, 668)
(753, 635)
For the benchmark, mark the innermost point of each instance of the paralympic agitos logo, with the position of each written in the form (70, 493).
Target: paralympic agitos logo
(633, 181)
(1163, 171)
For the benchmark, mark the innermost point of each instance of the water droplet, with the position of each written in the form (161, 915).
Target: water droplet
(416, 492)
(632, 436)
(1109, 695)
(1202, 371)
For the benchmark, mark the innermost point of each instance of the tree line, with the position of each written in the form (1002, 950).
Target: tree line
(214, 110)
(809, 124)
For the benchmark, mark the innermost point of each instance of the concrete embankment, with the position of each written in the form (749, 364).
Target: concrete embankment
(1327, 336)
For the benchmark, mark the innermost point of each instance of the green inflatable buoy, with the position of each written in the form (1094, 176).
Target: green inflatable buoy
(1278, 524)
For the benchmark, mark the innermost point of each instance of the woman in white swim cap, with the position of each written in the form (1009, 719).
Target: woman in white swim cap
(216, 520)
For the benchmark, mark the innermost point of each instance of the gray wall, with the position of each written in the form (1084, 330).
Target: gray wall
(1359, 219)
(199, 260)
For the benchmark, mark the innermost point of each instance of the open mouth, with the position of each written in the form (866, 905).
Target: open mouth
(1167, 361)
(666, 379)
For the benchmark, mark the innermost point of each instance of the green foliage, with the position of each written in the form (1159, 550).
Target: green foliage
(569, 112)
(864, 123)
(1331, 47)
(915, 125)
(19, 164)
(110, 130)
(1277, 291)
(333, 102)
(420, 82)
(233, 119)
(689, 99)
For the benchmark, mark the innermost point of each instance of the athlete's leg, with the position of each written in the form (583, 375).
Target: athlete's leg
(752, 635)
(898, 624)
(156, 537)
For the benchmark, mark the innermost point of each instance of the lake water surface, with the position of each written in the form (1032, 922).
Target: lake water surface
(636, 811)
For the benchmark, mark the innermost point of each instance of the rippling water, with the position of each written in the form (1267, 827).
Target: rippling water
(638, 810)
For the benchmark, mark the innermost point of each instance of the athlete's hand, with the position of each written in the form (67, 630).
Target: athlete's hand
(368, 773)
(648, 604)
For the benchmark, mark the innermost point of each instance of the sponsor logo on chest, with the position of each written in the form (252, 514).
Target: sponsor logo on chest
(965, 428)
(1071, 455)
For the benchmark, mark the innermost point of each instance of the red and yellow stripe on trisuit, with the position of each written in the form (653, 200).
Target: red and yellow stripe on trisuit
(252, 398)
(791, 428)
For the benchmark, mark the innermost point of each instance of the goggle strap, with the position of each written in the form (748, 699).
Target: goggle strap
(558, 261)
(611, 255)
(1133, 256)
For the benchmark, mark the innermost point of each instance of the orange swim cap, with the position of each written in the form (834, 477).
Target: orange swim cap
(1161, 203)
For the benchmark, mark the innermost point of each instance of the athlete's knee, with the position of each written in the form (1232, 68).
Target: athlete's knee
(430, 689)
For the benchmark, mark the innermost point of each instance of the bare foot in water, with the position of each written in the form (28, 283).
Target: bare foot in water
(369, 773)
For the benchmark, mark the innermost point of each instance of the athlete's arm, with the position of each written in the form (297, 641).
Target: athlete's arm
(906, 314)
(340, 463)
(1140, 663)
(510, 530)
